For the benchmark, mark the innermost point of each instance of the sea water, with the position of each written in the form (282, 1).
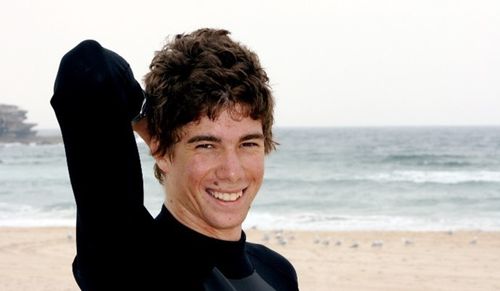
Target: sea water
(394, 178)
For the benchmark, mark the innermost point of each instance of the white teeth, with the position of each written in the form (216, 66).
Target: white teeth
(226, 196)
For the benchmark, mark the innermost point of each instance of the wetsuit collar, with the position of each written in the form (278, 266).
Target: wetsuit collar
(228, 256)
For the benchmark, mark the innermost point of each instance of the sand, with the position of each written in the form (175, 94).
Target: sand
(40, 259)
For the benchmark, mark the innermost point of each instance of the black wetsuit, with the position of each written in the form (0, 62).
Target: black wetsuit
(120, 246)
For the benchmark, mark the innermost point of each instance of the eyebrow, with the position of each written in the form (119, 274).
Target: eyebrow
(252, 136)
(211, 138)
(198, 138)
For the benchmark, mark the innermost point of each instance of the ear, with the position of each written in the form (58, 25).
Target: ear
(163, 162)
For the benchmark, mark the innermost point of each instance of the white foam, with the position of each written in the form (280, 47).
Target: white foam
(441, 177)
(370, 222)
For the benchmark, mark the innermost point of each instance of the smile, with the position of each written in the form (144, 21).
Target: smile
(226, 196)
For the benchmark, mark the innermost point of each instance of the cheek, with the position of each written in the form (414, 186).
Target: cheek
(255, 167)
(198, 168)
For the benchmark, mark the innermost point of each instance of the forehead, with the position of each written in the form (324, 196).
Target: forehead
(228, 124)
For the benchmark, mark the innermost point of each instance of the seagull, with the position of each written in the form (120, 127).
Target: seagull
(354, 245)
(326, 242)
(278, 232)
(407, 242)
(282, 241)
(377, 243)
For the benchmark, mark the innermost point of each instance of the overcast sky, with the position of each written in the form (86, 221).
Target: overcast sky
(331, 63)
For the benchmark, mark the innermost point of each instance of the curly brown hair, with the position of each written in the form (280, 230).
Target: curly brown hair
(200, 74)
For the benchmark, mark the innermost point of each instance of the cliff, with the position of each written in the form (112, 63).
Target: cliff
(12, 124)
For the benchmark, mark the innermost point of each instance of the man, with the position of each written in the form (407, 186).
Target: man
(207, 118)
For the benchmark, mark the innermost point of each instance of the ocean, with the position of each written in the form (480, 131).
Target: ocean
(386, 178)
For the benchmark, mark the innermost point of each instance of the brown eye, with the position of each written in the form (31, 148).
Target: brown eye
(250, 144)
(205, 146)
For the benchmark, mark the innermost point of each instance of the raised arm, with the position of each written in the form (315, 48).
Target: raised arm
(95, 98)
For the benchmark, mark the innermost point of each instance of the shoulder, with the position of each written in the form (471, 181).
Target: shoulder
(266, 255)
(268, 262)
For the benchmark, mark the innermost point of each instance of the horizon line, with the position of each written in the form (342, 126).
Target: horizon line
(348, 126)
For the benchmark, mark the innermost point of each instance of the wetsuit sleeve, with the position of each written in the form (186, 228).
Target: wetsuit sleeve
(95, 98)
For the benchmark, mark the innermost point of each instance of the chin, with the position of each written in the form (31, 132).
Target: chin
(230, 222)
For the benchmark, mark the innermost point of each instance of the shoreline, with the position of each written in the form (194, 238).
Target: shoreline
(39, 258)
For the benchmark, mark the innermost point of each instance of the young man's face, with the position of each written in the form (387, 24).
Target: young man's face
(214, 174)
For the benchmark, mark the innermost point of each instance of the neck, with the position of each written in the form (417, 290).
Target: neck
(197, 224)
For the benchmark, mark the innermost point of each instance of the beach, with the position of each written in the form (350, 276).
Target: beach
(40, 259)
(372, 209)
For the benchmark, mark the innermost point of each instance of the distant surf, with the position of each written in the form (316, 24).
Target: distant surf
(430, 178)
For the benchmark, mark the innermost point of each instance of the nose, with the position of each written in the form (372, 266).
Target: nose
(230, 167)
